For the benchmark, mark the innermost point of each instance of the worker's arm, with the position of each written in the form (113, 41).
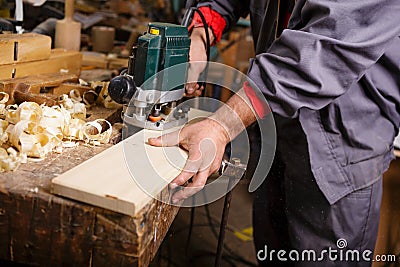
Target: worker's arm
(220, 16)
(198, 59)
(205, 142)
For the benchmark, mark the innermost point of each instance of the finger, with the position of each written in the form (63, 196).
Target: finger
(194, 71)
(181, 179)
(170, 139)
(191, 167)
(191, 88)
(198, 93)
(199, 181)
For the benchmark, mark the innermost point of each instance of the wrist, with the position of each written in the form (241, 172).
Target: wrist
(220, 127)
(236, 115)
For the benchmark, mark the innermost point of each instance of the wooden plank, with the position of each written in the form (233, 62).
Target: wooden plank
(107, 181)
(94, 59)
(17, 48)
(37, 82)
(116, 63)
(60, 61)
(65, 88)
(100, 60)
(34, 85)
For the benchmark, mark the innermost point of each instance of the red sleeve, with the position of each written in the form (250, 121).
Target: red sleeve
(260, 106)
(214, 20)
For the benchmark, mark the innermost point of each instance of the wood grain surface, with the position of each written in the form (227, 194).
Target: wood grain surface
(60, 61)
(115, 179)
(42, 229)
(27, 47)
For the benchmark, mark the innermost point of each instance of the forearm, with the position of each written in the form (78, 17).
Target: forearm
(199, 34)
(238, 112)
(236, 115)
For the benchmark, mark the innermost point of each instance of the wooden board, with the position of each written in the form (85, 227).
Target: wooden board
(106, 180)
(60, 61)
(17, 48)
(100, 60)
(116, 63)
(66, 87)
(36, 83)
(94, 59)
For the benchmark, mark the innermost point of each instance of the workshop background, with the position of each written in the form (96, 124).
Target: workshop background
(92, 45)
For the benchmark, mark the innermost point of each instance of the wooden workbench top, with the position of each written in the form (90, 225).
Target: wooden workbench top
(37, 227)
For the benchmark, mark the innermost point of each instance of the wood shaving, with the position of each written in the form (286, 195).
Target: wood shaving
(89, 98)
(69, 144)
(73, 131)
(10, 159)
(104, 97)
(75, 95)
(3, 134)
(3, 100)
(33, 131)
(98, 131)
(4, 97)
(75, 108)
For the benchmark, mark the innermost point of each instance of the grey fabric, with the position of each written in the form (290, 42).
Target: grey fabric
(336, 70)
(291, 213)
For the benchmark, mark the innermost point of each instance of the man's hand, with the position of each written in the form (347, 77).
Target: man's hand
(205, 142)
(198, 60)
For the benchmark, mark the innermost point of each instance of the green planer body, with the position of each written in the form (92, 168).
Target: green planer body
(154, 81)
(163, 46)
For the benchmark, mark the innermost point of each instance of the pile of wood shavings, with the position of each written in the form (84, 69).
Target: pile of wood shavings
(32, 131)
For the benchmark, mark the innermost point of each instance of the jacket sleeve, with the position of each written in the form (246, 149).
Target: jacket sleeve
(230, 10)
(329, 49)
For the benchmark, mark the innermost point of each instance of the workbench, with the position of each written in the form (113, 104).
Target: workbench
(40, 228)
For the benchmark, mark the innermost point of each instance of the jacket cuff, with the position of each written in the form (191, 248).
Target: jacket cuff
(214, 21)
(259, 105)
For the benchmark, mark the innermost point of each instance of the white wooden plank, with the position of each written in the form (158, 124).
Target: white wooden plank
(108, 180)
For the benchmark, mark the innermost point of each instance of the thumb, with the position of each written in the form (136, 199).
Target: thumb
(170, 139)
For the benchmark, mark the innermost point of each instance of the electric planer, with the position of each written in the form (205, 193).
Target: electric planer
(154, 81)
